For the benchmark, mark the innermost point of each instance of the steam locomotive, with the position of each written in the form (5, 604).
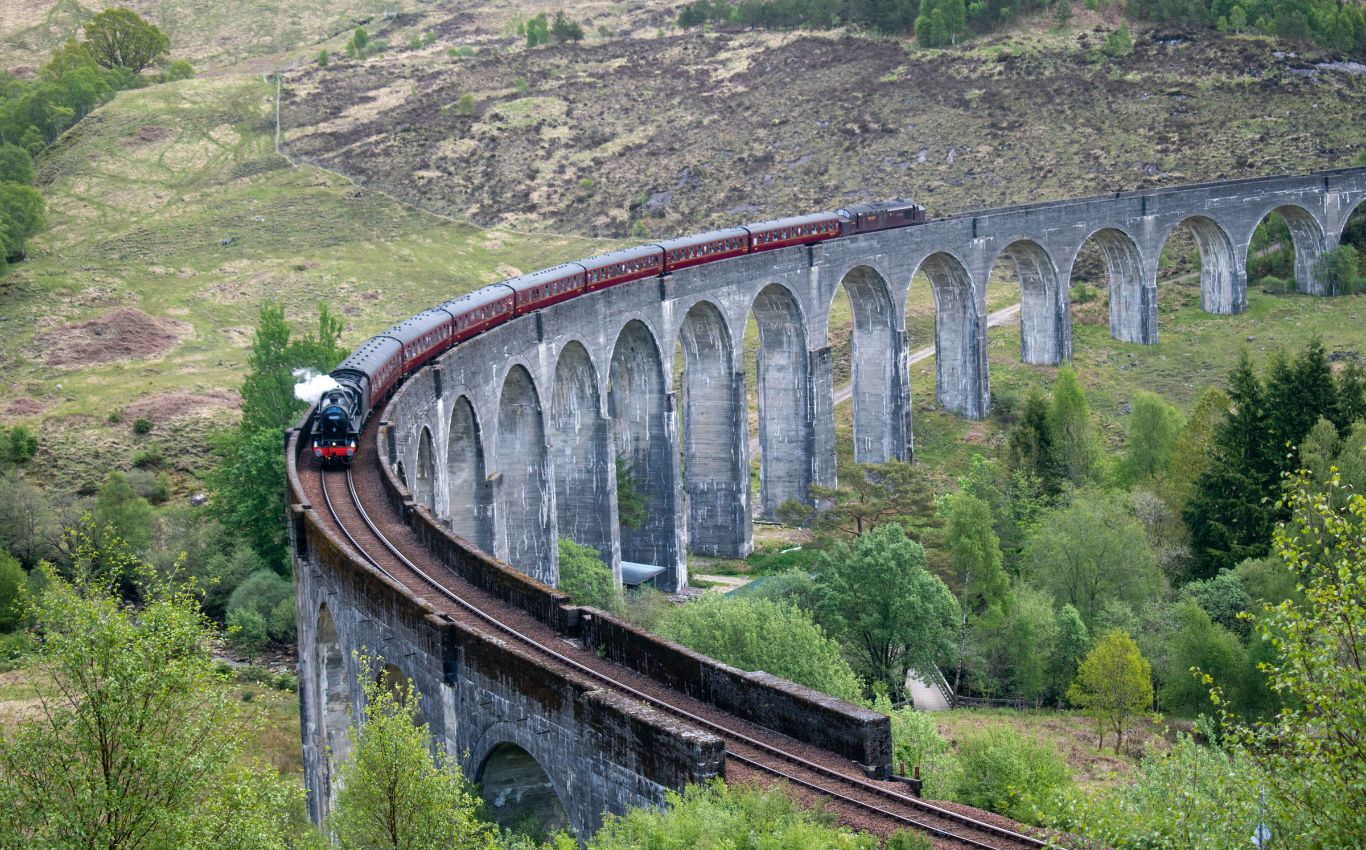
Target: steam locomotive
(374, 369)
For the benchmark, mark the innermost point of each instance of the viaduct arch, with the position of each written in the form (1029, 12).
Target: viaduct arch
(513, 440)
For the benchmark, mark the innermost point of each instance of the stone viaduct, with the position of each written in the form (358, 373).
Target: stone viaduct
(513, 439)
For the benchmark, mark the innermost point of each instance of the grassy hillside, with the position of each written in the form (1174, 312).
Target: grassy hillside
(172, 218)
(207, 32)
(650, 135)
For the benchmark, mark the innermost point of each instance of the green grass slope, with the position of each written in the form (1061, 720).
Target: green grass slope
(172, 218)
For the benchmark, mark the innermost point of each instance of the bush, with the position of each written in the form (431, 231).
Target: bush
(154, 488)
(142, 425)
(759, 634)
(322, 58)
(23, 443)
(262, 593)
(150, 456)
(917, 744)
(586, 579)
(1005, 772)
(13, 647)
(1083, 294)
(908, 840)
(180, 69)
(12, 580)
(564, 29)
(247, 630)
(465, 105)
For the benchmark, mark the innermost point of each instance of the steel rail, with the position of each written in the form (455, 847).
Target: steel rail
(769, 749)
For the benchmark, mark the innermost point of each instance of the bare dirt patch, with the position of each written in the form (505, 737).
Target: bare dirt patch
(124, 334)
(147, 135)
(177, 404)
(18, 408)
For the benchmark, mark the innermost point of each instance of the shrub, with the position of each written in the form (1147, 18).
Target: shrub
(760, 634)
(12, 579)
(586, 579)
(180, 69)
(907, 840)
(247, 630)
(563, 29)
(1006, 772)
(465, 105)
(322, 58)
(142, 425)
(262, 593)
(917, 744)
(154, 488)
(150, 456)
(23, 443)
(1083, 294)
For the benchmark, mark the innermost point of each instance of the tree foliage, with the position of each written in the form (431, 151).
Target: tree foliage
(1154, 427)
(721, 817)
(586, 579)
(761, 634)
(1313, 752)
(1005, 771)
(393, 793)
(1090, 551)
(120, 39)
(880, 600)
(869, 495)
(139, 743)
(1113, 684)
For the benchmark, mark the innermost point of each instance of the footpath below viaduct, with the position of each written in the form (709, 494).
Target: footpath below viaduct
(482, 460)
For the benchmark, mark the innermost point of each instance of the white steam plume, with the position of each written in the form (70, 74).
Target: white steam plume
(311, 385)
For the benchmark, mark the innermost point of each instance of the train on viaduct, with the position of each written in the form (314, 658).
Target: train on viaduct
(436, 550)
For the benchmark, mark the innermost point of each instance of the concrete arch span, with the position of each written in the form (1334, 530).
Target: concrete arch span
(524, 500)
(471, 495)
(518, 791)
(1223, 276)
(1045, 326)
(1133, 297)
(784, 391)
(960, 343)
(877, 369)
(715, 464)
(646, 451)
(580, 447)
(424, 485)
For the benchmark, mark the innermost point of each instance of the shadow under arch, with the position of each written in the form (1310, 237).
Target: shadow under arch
(424, 488)
(1045, 326)
(1223, 282)
(714, 436)
(876, 370)
(518, 790)
(784, 392)
(470, 494)
(638, 401)
(1133, 308)
(580, 443)
(959, 337)
(522, 503)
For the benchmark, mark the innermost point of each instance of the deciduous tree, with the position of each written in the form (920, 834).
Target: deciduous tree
(394, 793)
(1113, 684)
(139, 742)
(1090, 551)
(1154, 426)
(882, 603)
(119, 38)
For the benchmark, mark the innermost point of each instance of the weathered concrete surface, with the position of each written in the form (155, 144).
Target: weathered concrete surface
(493, 707)
(555, 433)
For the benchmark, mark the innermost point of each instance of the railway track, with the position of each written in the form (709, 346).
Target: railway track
(855, 800)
